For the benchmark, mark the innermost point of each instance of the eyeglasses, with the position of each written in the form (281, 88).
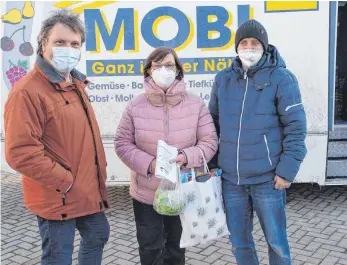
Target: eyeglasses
(156, 66)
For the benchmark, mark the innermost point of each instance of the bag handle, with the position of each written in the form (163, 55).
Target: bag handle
(193, 174)
(205, 162)
(178, 179)
(206, 169)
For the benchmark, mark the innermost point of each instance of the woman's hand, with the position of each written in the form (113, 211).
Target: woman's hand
(180, 160)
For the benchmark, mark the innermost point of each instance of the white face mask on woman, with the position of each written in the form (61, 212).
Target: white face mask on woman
(163, 77)
(250, 57)
(65, 58)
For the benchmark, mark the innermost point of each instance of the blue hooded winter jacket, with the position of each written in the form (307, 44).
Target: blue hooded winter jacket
(260, 121)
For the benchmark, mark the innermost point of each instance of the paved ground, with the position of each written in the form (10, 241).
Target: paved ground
(317, 228)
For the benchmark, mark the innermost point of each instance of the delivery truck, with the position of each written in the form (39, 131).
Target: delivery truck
(310, 35)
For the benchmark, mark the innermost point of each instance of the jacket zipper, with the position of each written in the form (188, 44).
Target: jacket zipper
(166, 121)
(85, 107)
(292, 106)
(268, 150)
(240, 126)
(63, 198)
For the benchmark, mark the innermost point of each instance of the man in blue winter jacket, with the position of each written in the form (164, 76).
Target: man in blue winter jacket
(257, 109)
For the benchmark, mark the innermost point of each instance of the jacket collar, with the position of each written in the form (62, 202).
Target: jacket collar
(269, 62)
(57, 78)
(157, 97)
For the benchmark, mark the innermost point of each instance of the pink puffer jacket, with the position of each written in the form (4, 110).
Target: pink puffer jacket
(179, 118)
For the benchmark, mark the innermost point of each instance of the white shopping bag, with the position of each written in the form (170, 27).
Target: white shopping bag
(203, 218)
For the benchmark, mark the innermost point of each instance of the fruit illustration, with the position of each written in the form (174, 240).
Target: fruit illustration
(16, 72)
(14, 16)
(7, 44)
(15, 40)
(28, 10)
(26, 49)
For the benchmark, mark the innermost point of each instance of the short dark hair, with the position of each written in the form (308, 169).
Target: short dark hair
(64, 17)
(158, 55)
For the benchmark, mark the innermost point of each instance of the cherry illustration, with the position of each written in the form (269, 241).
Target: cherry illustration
(26, 49)
(7, 44)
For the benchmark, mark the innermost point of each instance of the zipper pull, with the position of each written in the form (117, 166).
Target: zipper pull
(245, 75)
(63, 196)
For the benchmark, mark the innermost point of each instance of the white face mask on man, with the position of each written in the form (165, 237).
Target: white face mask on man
(250, 57)
(65, 58)
(163, 77)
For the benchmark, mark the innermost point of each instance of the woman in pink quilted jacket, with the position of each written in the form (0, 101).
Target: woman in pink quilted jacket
(166, 111)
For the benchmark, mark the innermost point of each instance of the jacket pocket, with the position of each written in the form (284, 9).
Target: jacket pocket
(61, 108)
(58, 160)
(148, 184)
(267, 149)
(63, 195)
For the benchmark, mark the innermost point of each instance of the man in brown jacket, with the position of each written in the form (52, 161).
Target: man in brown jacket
(53, 140)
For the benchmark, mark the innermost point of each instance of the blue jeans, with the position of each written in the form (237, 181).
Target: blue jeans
(58, 239)
(269, 204)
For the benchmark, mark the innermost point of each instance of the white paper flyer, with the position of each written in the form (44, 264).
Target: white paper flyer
(164, 169)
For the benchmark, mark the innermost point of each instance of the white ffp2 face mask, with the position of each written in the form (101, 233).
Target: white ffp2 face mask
(163, 77)
(250, 57)
(65, 58)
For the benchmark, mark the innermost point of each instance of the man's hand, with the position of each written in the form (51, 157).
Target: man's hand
(180, 160)
(281, 184)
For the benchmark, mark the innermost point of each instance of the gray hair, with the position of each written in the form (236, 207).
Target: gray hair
(64, 17)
